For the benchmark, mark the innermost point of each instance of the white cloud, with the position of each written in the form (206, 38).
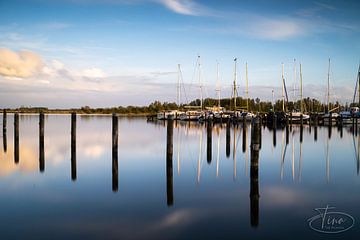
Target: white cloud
(185, 7)
(20, 64)
(93, 73)
(277, 29)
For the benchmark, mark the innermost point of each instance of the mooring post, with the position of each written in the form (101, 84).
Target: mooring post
(209, 141)
(315, 126)
(291, 121)
(73, 146)
(244, 137)
(287, 134)
(41, 142)
(16, 138)
(115, 134)
(4, 130)
(4, 121)
(254, 173)
(301, 128)
(169, 163)
(227, 140)
(356, 125)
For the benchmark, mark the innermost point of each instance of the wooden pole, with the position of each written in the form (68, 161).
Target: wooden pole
(254, 173)
(115, 138)
(16, 138)
(4, 130)
(244, 137)
(301, 128)
(209, 141)
(228, 138)
(41, 142)
(169, 163)
(73, 146)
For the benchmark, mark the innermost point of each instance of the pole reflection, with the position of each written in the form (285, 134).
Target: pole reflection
(169, 163)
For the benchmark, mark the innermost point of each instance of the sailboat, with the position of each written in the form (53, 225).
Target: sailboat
(173, 114)
(195, 115)
(218, 112)
(246, 114)
(354, 111)
(330, 118)
(296, 115)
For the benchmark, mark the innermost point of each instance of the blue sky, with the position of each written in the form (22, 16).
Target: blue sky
(72, 53)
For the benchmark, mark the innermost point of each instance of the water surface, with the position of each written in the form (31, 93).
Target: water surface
(199, 193)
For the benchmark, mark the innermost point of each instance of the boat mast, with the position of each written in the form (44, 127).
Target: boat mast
(178, 86)
(247, 89)
(301, 92)
(283, 95)
(218, 83)
(358, 82)
(235, 76)
(200, 84)
(328, 88)
(294, 87)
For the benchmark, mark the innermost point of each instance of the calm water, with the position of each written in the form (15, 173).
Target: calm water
(197, 198)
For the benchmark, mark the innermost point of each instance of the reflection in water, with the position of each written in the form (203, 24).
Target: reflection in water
(196, 200)
(254, 174)
(115, 174)
(16, 138)
(41, 143)
(200, 156)
(218, 151)
(209, 142)
(73, 146)
(227, 139)
(169, 163)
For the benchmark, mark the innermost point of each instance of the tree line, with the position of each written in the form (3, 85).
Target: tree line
(254, 105)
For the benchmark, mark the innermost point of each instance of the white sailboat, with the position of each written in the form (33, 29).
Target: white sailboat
(173, 114)
(330, 118)
(296, 115)
(195, 115)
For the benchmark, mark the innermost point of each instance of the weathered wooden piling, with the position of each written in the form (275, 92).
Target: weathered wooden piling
(16, 138)
(41, 142)
(73, 146)
(274, 137)
(254, 173)
(4, 120)
(209, 141)
(227, 140)
(287, 134)
(356, 125)
(244, 137)
(115, 134)
(301, 128)
(4, 130)
(169, 163)
(291, 123)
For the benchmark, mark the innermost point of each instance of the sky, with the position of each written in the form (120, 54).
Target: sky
(103, 53)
